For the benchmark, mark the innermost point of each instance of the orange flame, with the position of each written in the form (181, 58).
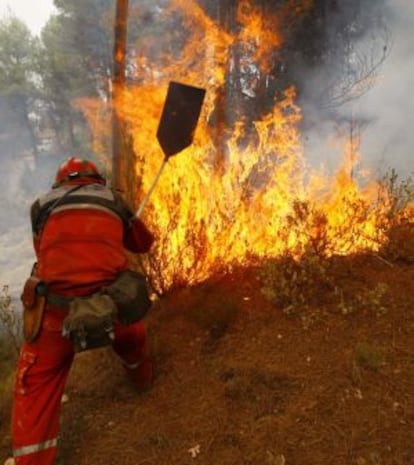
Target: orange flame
(258, 204)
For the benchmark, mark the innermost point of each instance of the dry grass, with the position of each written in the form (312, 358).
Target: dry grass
(260, 389)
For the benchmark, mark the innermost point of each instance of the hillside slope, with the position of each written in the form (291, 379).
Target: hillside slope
(240, 382)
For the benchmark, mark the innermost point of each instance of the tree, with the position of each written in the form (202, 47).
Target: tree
(17, 82)
(347, 40)
(61, 83)
(88, 38)
(75, 62)
(80, 55)
(344, 44)
(120, 146)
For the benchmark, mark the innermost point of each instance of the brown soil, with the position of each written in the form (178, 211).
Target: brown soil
(238, 381)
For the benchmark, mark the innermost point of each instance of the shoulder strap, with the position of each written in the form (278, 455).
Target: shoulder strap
(40, 213)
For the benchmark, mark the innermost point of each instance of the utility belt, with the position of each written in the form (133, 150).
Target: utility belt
(61, 301)
(90, 319)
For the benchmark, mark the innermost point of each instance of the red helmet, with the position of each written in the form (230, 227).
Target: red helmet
(75, 168)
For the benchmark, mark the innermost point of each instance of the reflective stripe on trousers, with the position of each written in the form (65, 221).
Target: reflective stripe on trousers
(41, 375)
(132, 366)
(26, 450)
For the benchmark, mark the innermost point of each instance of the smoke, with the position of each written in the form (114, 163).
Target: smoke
(389, 143)
(22, 181)
(381, 116)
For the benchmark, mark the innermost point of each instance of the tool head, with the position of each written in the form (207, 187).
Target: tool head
(179, 117)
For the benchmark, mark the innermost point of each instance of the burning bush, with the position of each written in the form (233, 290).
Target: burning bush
(243, 193)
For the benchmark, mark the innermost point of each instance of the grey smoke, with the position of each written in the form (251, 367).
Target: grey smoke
(390, 140)
(384, 113)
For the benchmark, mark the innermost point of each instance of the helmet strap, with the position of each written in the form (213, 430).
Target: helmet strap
(77, 175)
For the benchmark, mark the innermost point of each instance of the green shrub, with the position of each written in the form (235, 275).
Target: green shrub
(316, 284)
(296, 286)
(10, 340)
(10, 324)
(368, 356)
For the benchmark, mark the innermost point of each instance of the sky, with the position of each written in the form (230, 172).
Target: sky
(34, 13)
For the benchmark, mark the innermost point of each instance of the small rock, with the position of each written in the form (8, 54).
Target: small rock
(194, 451)
(361, 461)
(358, 394)
(272, 459)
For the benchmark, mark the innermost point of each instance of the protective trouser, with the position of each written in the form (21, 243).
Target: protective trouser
(42, 371)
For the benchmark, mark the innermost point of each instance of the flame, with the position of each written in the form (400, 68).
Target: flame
(258, 33)
(253, 197)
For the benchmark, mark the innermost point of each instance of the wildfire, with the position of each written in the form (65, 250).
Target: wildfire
(253, 197)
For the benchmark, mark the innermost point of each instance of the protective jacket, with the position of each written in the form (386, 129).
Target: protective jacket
(77, 231)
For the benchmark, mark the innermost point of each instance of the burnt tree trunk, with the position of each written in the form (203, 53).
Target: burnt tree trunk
(120, 143)
(225, 14)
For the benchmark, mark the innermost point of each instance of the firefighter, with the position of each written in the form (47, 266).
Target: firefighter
(81, 229)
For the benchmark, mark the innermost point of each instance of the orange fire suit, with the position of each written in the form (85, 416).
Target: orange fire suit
(80, 247)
